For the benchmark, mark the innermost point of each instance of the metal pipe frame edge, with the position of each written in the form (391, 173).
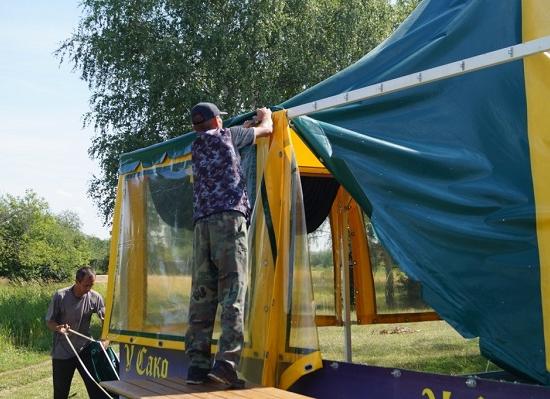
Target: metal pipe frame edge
(452, 69)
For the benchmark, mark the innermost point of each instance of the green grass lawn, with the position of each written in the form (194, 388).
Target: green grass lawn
(25, 342)
(425, 346)
(34, 381)
(25, 367)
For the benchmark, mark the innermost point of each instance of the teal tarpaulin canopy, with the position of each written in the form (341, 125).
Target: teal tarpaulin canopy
(445, 172)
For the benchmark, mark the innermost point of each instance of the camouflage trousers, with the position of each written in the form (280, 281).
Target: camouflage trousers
(219, 277)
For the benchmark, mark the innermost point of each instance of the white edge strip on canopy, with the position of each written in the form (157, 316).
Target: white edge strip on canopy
(456, 68)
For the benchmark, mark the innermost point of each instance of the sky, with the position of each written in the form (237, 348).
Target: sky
(43, 146)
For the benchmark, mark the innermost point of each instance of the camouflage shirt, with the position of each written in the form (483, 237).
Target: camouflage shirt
(219, 184)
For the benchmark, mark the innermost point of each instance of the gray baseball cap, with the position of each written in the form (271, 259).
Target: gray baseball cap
(203, 112)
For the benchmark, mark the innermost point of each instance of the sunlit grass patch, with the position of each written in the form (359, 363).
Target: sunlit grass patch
(425, 346)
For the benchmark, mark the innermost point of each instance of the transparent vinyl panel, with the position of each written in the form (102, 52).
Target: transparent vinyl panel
(321, 260)
(281, 335)
(155, 253)
(395, 291)
(300, 306)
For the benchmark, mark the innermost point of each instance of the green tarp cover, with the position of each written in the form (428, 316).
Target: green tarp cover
(444, 171)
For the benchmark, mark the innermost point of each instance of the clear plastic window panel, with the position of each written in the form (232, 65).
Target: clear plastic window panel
(155, 253)
(322, 268)
(301, 310)
(395, 291)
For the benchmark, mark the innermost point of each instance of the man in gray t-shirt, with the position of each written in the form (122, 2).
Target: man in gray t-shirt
(72, 307)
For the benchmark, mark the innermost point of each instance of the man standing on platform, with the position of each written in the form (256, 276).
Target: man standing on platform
(220, 212)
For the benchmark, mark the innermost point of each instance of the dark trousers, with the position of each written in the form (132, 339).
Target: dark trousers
(63, 371)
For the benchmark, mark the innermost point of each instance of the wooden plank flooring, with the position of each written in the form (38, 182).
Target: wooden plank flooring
(176, 388)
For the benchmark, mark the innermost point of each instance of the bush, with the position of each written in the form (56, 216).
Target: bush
(321, 258)
(100, 254)
(35, 244)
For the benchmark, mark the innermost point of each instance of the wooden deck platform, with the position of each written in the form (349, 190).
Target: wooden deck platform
(176, 388)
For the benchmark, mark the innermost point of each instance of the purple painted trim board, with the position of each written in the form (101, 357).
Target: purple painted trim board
(338, 380)
(345, 380)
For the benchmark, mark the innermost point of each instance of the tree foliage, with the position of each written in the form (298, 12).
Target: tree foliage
(148, 61)
(36, 244)
(100, 254)
(321, 258)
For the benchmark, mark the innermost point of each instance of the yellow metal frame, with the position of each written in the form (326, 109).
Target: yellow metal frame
(276, 175)
(535, 24)
(346, 220)
(113, 259)
(137, 282)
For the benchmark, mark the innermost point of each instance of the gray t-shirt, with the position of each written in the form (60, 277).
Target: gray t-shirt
(242, 136)
(66, 308)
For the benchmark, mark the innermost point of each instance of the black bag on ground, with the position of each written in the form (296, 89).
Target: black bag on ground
(100, 368)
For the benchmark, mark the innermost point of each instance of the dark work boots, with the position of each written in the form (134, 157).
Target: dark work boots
(196, 375)
(223, 373)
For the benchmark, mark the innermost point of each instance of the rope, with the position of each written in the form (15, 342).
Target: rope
(66, 335)
(102, 348)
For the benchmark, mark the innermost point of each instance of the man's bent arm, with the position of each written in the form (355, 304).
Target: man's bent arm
(265, 128)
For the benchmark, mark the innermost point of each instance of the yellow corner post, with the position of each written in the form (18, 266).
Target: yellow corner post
(535, 24)
(278, 180)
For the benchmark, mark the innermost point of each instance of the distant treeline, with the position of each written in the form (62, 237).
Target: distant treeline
(38, 245)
